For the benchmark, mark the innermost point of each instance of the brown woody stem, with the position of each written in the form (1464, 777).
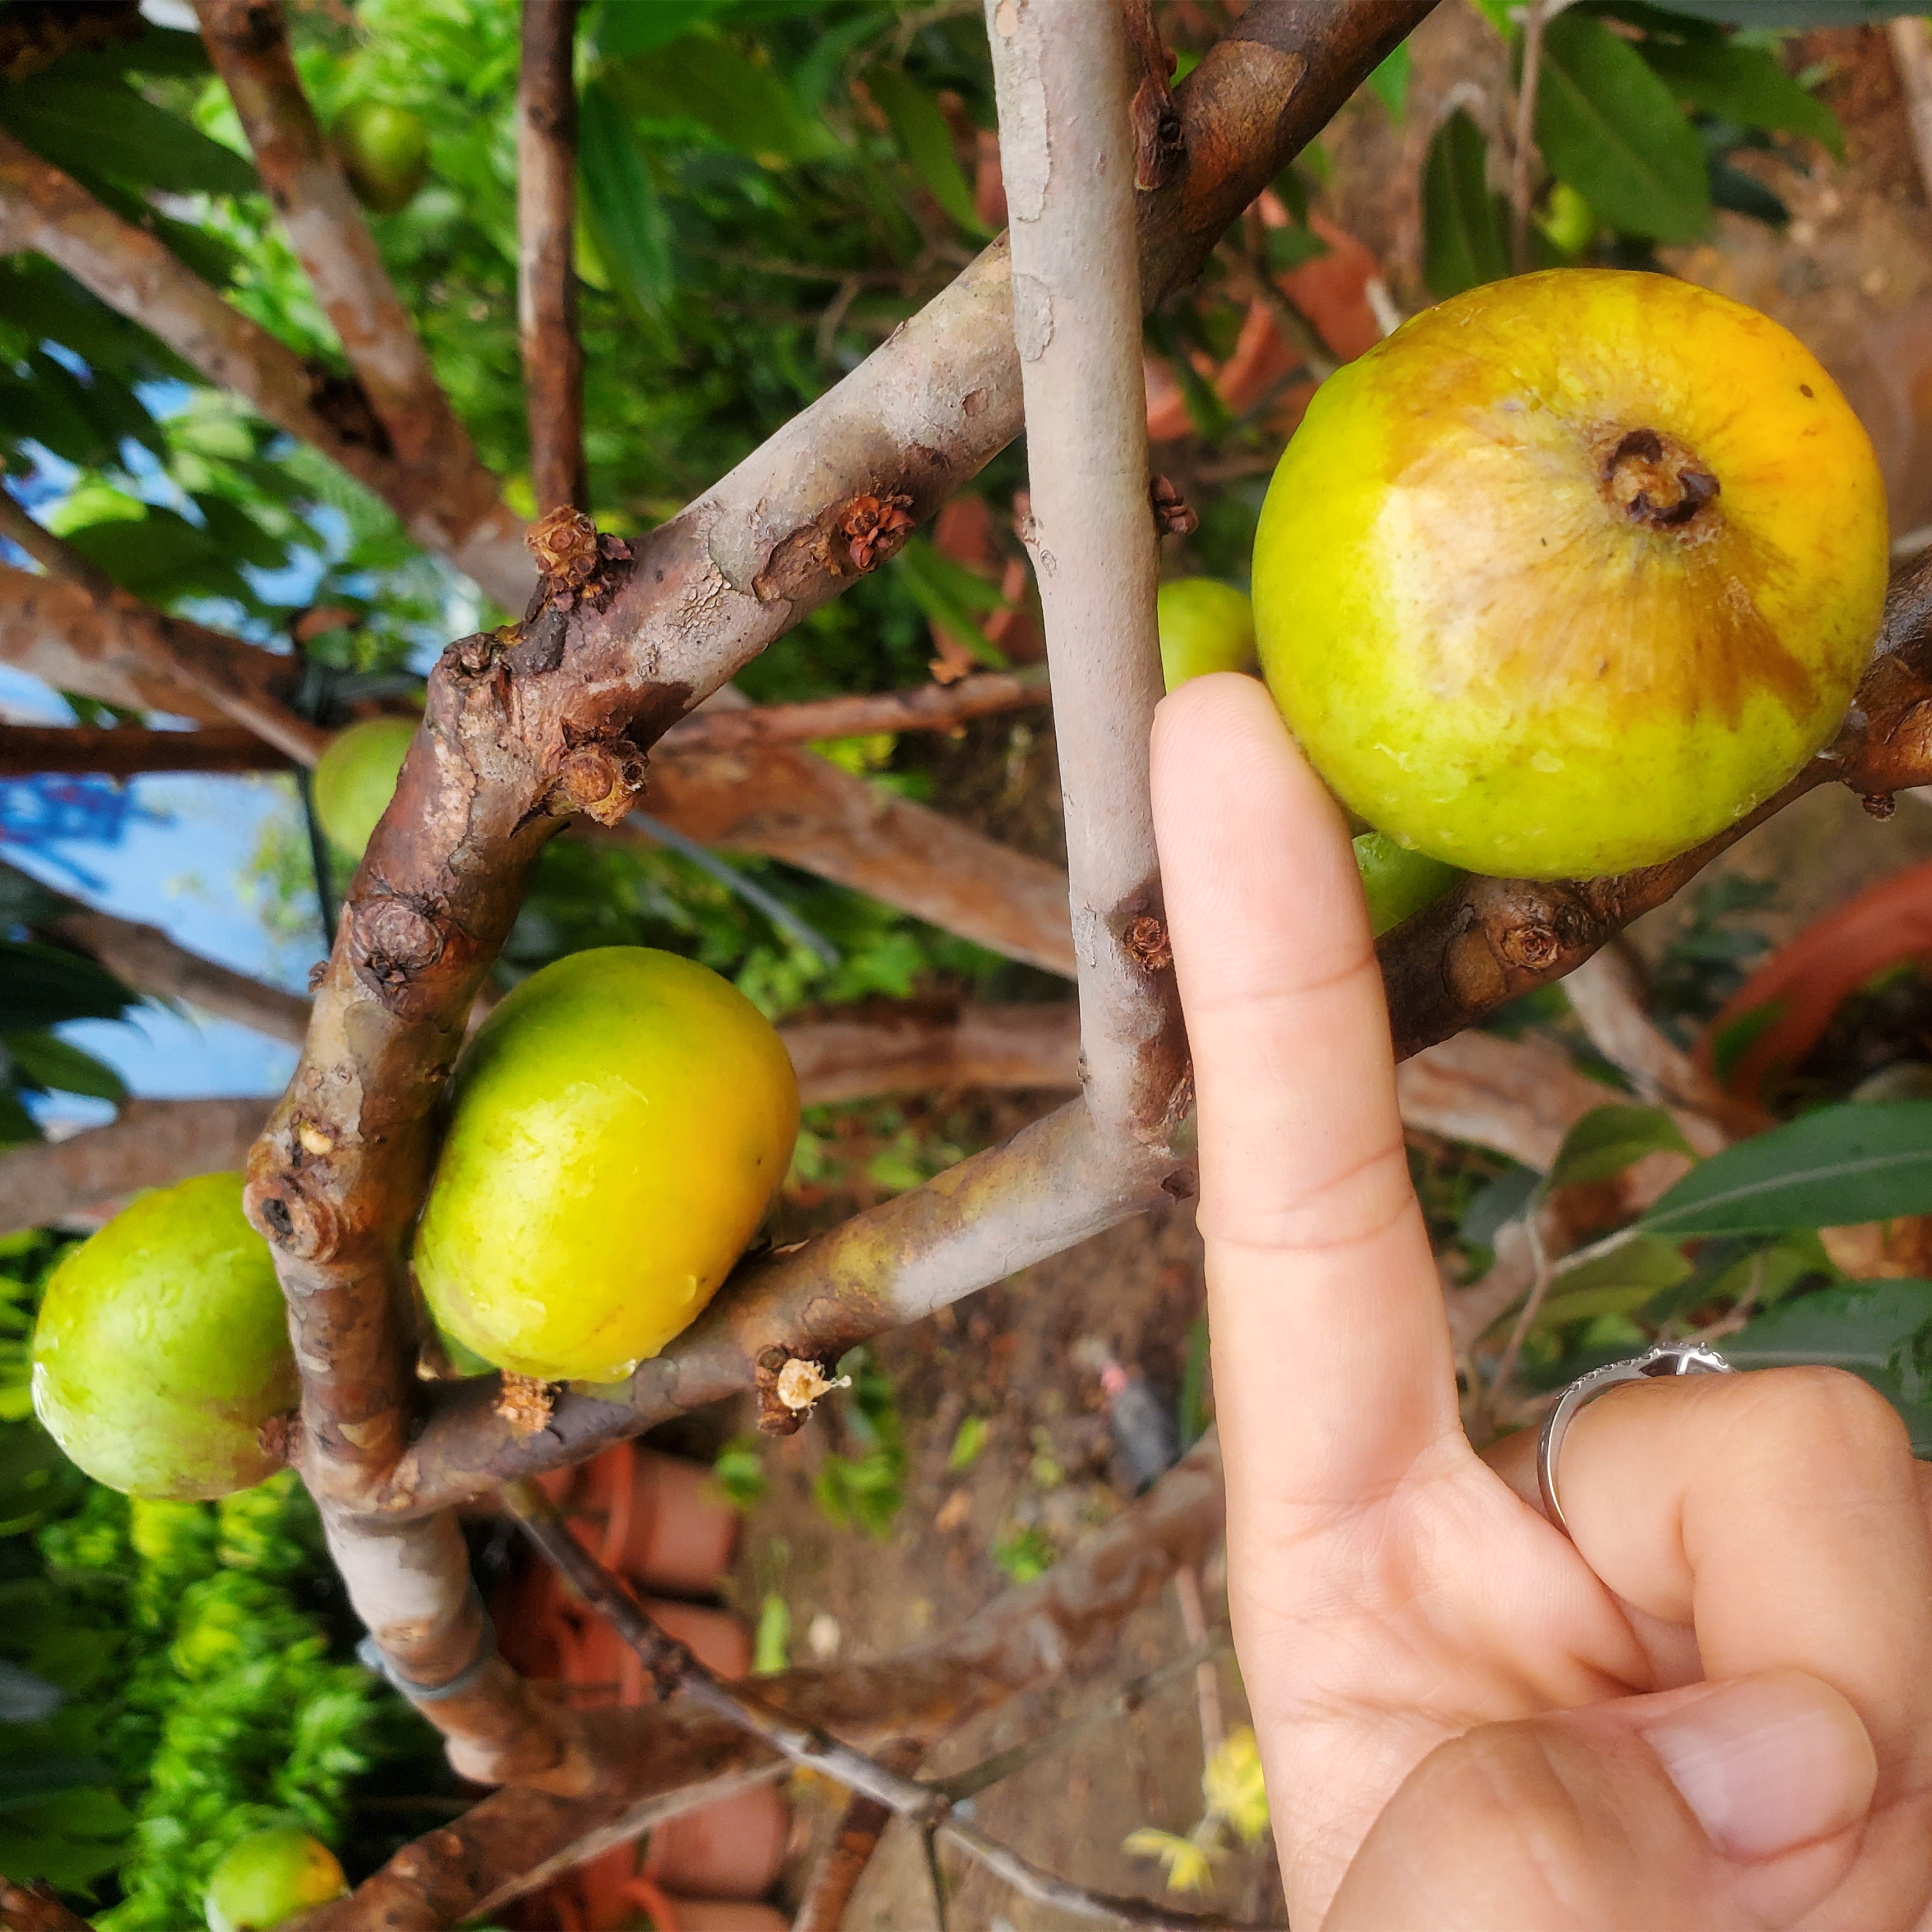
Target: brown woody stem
(546, 255)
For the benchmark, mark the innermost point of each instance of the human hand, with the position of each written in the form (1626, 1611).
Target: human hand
(1711, 1709)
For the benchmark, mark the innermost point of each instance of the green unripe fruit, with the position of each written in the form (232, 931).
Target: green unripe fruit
(617, 1128)
(384, 151)
(355, 779)
(269, 1876)
(1204, 625)
(1397, 882)
(163, 1347)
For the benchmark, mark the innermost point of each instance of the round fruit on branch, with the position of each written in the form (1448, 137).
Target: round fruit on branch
(1204, 625)
(618, 1127)
(162, 1347)
(268, 1877)
(1570, 572)
(355, 779)
(384, 151)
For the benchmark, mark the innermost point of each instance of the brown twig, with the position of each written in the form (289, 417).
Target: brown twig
(133, 271)
(1061, 73)
(675, 1672)
(1522, 153)
(431, 461)
(547, 254)
(1159, 143)
(127, 751)
(169, 644)
(35, 1908)
(836, 1876)
(1027, 1635)
(1912, 56)
(928, 707)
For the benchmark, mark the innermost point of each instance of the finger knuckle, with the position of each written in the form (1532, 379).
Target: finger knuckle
(1829, 1413)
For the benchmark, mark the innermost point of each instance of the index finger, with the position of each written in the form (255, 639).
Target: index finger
(1333, 1369)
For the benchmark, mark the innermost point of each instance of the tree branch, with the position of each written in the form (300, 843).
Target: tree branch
(35, 1908)
(928, 707)
(546, 255)
(1061, 68)
(434, 462)
(1027, 1635)
(131, 271)
(169, 645)
(674, 1671)
(127, 751)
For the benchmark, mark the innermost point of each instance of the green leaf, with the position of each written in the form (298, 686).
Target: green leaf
(1794, 13)
(1287, 248)
(48, 1061)
(950, 595)
(1608, 126)
(1464, 232)
(1747, 84)
(633, 236)
(1840, 1165)
(1880, 1330)
(41, 985)
(747, 105)
(90, 127)
(159, 51)
(772, 1649)
(967, 1441)
(926, 142)
(622, 27)
(1616, 1283)
(1389, 83)
(1608, 1139)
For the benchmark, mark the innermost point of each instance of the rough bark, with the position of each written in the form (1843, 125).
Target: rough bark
(151, 1144)
(546, 255)
(127, 751)
(131, 271)
(1061, 71)
(434, 463)
(882, 1049)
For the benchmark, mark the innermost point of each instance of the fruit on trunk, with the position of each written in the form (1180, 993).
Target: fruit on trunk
(617, 1128)
(268, 1877)
(384, 151)
(1396, 882)
(1570, 572)
(355, 778)
(162, 1346)
(1205, 625)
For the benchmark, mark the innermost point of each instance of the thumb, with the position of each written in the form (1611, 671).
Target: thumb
(1718, 1805)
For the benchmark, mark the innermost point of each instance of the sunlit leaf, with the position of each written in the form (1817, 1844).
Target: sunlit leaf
(633, 236)
(1608, 1139)
(926, 142)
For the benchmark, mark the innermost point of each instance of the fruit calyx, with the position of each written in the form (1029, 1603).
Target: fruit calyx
(1655, 479)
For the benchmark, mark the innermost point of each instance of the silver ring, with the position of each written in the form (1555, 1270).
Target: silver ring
(1667, 1358)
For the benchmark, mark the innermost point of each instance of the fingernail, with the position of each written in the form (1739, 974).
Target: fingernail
(1768, 1763)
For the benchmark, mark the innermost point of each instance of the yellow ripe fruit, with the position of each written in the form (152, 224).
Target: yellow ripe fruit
(1205, 625)
(1570, 572)
(355, 779)
(162, 1346)
(618, 1127)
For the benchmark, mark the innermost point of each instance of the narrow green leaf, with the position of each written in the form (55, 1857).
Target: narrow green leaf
(1608, 1139)
(1794, 13)
(926, 142)
(1744, 84)
(633, 235)
(622, 27)
(90, 126)
(1464, 241)
(1389, 83)
(1880, 1330)
(48, 1061)
(41, 985)
(1608, 126)
(967, 1441)
(748, 105)
(1287, 248)
(951, 596)
(1839, 1166)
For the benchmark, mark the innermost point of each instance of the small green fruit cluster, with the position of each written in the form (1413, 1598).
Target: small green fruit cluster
(384, 153)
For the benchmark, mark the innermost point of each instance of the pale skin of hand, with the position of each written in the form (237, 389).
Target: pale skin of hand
(1713, 1709)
